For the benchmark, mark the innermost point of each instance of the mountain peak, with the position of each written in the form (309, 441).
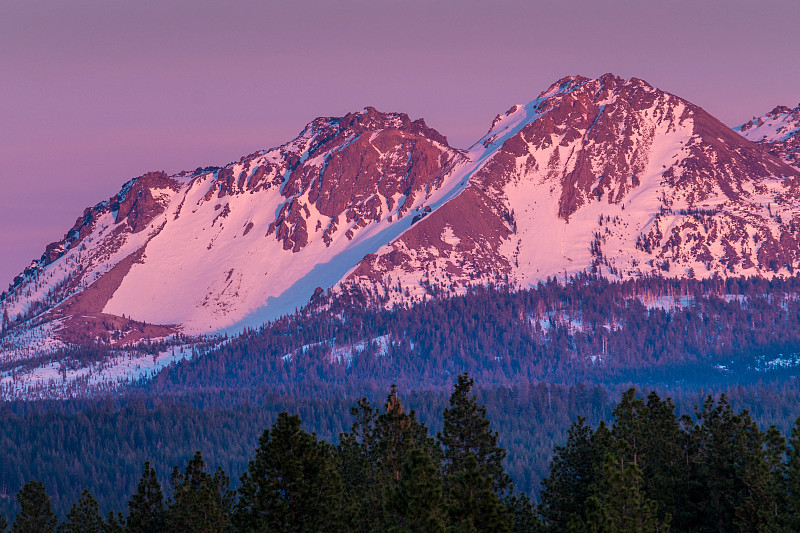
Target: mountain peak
(568, 84)
(368, 119)
(564, 85)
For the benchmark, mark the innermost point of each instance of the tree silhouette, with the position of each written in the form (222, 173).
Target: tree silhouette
(146, 512)
(292, 484)
(84, 517)
(35, 515)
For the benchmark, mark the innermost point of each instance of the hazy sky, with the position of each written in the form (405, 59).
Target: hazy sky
(94, 93)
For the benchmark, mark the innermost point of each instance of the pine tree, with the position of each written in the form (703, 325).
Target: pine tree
(574, 473)
(84, 517)
(35, 514)
(114, 523)
(357, 454)
(467, 431)
(623, 500)
(472, 503)
(398, 433)
(665, 465)
(775, 480)
(146, 513)
(201, 501)
(523, 514)
(793, 479)
(597, 519)
(648, 435)
(631, 418)
(417, 504)
(372, 456)
(292, 484)
(732, 470)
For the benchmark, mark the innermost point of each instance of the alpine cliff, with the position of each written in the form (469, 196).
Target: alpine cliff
(602, 175)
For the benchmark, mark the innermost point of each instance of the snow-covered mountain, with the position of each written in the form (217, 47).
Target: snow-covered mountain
(607, 175)
(778, 131)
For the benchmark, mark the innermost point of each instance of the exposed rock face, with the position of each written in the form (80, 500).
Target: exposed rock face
(360, 168)
(607, 175)
(778, 131)
(141, 202)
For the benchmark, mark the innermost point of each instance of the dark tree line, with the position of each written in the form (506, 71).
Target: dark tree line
(649, 470)
(71, 445)
(386, 474)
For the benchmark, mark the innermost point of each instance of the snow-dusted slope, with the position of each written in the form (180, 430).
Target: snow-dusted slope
(778, 131)
(605, 175)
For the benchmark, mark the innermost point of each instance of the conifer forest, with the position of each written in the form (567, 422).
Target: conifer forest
(647, 470)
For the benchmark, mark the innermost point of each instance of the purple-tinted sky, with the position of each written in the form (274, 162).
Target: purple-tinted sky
(93, 93)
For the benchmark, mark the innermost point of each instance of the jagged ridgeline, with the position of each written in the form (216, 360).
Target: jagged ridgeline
(646, 470)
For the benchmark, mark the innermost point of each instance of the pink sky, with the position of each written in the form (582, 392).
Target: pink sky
(94, 93)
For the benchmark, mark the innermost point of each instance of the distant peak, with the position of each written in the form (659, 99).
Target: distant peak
(370, 118)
